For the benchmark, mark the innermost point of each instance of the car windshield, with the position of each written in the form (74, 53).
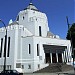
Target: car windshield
(15, 71)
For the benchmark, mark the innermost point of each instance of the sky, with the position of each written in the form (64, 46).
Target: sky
(56, 11)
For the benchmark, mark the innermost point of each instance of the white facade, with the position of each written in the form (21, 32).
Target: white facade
(31, 46)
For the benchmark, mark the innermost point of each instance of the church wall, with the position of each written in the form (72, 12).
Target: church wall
(10, 59)
(38, 60)
(25, 42)
(19, 44)
(28, 59)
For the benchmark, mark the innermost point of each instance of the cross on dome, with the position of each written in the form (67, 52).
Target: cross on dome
(31, 6)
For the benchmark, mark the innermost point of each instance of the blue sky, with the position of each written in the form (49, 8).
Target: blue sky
(56, 11)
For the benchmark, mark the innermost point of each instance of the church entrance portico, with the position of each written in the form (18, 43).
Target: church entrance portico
(53, 54)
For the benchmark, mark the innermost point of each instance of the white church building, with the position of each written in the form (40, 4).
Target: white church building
(30, 44)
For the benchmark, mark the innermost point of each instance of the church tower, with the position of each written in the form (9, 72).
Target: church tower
(34, 20)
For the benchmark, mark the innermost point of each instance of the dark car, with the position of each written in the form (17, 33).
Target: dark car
(10, 72)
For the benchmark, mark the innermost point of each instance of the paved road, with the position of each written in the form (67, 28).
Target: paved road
(43, 74)
(48, 74)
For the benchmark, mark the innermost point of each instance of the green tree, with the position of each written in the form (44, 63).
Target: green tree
(71, 34)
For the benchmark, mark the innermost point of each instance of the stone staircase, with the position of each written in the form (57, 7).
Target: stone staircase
(66, 67)
(56, 67)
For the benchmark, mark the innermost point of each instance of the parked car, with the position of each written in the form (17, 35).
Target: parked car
(10, 72)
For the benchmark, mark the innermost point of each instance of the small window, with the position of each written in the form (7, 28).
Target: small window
(36, 19)
(7, 67)
(22, 66)
(0, 67)
(8, 46)
(23, 17)
(18, 65)
(17, 18)
(5, 44)
(31, 19)
(29, 66)
(29, 49)
(1, 47)
(38, 65)
(37, 49)
(40, 31)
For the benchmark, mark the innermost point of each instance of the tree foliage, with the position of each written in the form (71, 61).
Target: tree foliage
(71, 34)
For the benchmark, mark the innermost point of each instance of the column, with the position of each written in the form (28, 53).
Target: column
(51, 57)
(66, 55)
(57, 56)
(69, 53)
(62, 57)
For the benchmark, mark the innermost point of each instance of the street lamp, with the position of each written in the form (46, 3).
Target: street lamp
(4, 46)
(71, 41)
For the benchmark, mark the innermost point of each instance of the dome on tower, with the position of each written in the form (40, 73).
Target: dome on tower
(31, 7)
